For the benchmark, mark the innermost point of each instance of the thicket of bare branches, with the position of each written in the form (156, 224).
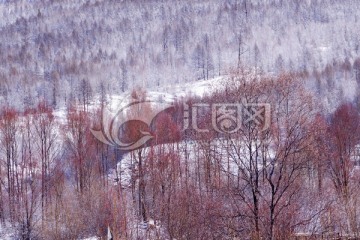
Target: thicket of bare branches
(297, 176)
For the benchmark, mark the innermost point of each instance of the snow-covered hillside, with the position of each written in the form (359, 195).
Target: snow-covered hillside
(179, 119)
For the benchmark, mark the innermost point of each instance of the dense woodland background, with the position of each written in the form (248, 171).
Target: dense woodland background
(51, 49)
(62, 62)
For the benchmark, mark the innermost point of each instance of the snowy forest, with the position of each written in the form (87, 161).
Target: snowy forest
(64, 63)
